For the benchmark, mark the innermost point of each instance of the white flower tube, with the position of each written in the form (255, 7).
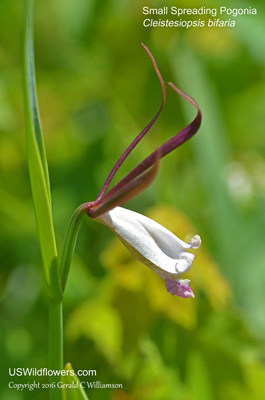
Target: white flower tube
(155, 246)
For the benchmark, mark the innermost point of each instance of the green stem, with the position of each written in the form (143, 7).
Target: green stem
(70, 241)
(55, 345)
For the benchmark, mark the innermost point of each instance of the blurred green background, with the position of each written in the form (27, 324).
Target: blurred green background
(97, 90)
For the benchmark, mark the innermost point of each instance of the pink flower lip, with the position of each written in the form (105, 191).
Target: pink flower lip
(179, 288)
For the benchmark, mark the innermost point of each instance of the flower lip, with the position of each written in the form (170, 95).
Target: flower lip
(180, 288)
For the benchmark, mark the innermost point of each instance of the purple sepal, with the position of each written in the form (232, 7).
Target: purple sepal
(142, 176)
(178, 289)
(141, 135)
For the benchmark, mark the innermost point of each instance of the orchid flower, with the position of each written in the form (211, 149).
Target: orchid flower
(148, 241)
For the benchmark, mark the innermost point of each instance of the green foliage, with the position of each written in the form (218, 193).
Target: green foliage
(38, 168)
(100, 323)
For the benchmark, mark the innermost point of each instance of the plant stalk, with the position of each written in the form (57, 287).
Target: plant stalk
(70, 241)
(55, 346)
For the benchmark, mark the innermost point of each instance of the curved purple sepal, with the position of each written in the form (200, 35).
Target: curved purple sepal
(143, 174)
(141, 135)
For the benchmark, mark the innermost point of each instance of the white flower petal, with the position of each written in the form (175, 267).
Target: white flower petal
(151, 243)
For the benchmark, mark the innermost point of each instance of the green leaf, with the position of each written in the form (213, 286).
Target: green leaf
(70, 380)
(38, 169)
(31, 101)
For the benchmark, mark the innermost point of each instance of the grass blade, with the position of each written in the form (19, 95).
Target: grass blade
(38, 169)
